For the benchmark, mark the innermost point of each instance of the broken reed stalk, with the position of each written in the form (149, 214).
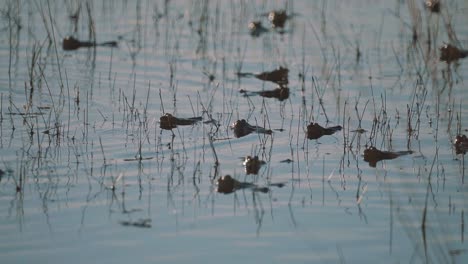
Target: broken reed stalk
(1, 109)
(145, 110)
(110, 63)
(344, 127)
(161, 100)
(210, 139)
(424, 216)
(55, 47)
(462, 226)
(102, 150)
(320, 98)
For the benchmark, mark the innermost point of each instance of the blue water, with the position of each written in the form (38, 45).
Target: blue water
(73, 188)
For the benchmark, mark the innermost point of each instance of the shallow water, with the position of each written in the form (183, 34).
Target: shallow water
(88, 175)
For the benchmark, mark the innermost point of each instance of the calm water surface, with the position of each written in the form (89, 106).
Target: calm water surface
(88, 175)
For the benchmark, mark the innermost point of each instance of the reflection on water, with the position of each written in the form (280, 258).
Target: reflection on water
(278, 76)
(280, 93)
(86, 166)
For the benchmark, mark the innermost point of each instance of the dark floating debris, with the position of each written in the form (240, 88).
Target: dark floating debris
(256, 28)
(281, 93)
(71, 43)
(461, 144)
(253, 164)
(242, 128)
(433, 6)
(169, 121)
(315, 131)
(278, 76)
(278, 18)
(373, 155)
(142, 223)
(450, 53)
(227, 185)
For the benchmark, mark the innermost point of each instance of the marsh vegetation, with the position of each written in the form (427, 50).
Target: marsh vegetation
(244, 131)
